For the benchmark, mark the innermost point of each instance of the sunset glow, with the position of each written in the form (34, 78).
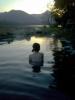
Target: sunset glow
(29, 6)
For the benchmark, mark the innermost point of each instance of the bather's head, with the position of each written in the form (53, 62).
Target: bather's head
(36, 47)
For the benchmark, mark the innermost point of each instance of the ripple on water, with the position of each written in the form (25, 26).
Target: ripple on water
(16, 76)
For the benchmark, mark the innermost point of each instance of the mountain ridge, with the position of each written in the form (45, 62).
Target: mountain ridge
(21, 17)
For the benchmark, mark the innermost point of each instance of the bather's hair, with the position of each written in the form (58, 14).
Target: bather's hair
(36, 47)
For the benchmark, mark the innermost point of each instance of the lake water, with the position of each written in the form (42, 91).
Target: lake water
(16, 76)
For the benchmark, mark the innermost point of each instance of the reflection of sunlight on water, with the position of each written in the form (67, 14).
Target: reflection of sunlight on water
(15, 68)
(38, 40)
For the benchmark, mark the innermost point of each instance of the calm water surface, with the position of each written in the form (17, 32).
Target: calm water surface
(16, 75)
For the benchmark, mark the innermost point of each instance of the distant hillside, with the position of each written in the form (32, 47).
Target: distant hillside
(43, 18)
(21, 17)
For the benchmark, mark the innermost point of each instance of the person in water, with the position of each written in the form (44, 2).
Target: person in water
(36, 59)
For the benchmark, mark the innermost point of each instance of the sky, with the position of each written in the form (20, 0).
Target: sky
(29, 6)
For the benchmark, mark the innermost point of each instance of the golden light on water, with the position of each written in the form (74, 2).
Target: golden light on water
(37, 40)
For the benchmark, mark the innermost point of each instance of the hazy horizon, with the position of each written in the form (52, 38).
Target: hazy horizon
(21, 10)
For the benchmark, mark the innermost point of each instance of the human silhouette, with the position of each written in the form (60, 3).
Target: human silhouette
(36, 59)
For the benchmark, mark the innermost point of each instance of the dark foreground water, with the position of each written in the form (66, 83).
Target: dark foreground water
(16, 76)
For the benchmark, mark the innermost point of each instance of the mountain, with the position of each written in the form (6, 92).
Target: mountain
(43, 18)
(21, 17)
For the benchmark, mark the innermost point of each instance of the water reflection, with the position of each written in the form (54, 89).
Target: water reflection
(10, 37)
(28, 38)
(15, 68)
(16, 75)
(38, 40)
(64, 69)
(6, 38)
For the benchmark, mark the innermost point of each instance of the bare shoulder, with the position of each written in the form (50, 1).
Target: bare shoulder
(41, 53)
